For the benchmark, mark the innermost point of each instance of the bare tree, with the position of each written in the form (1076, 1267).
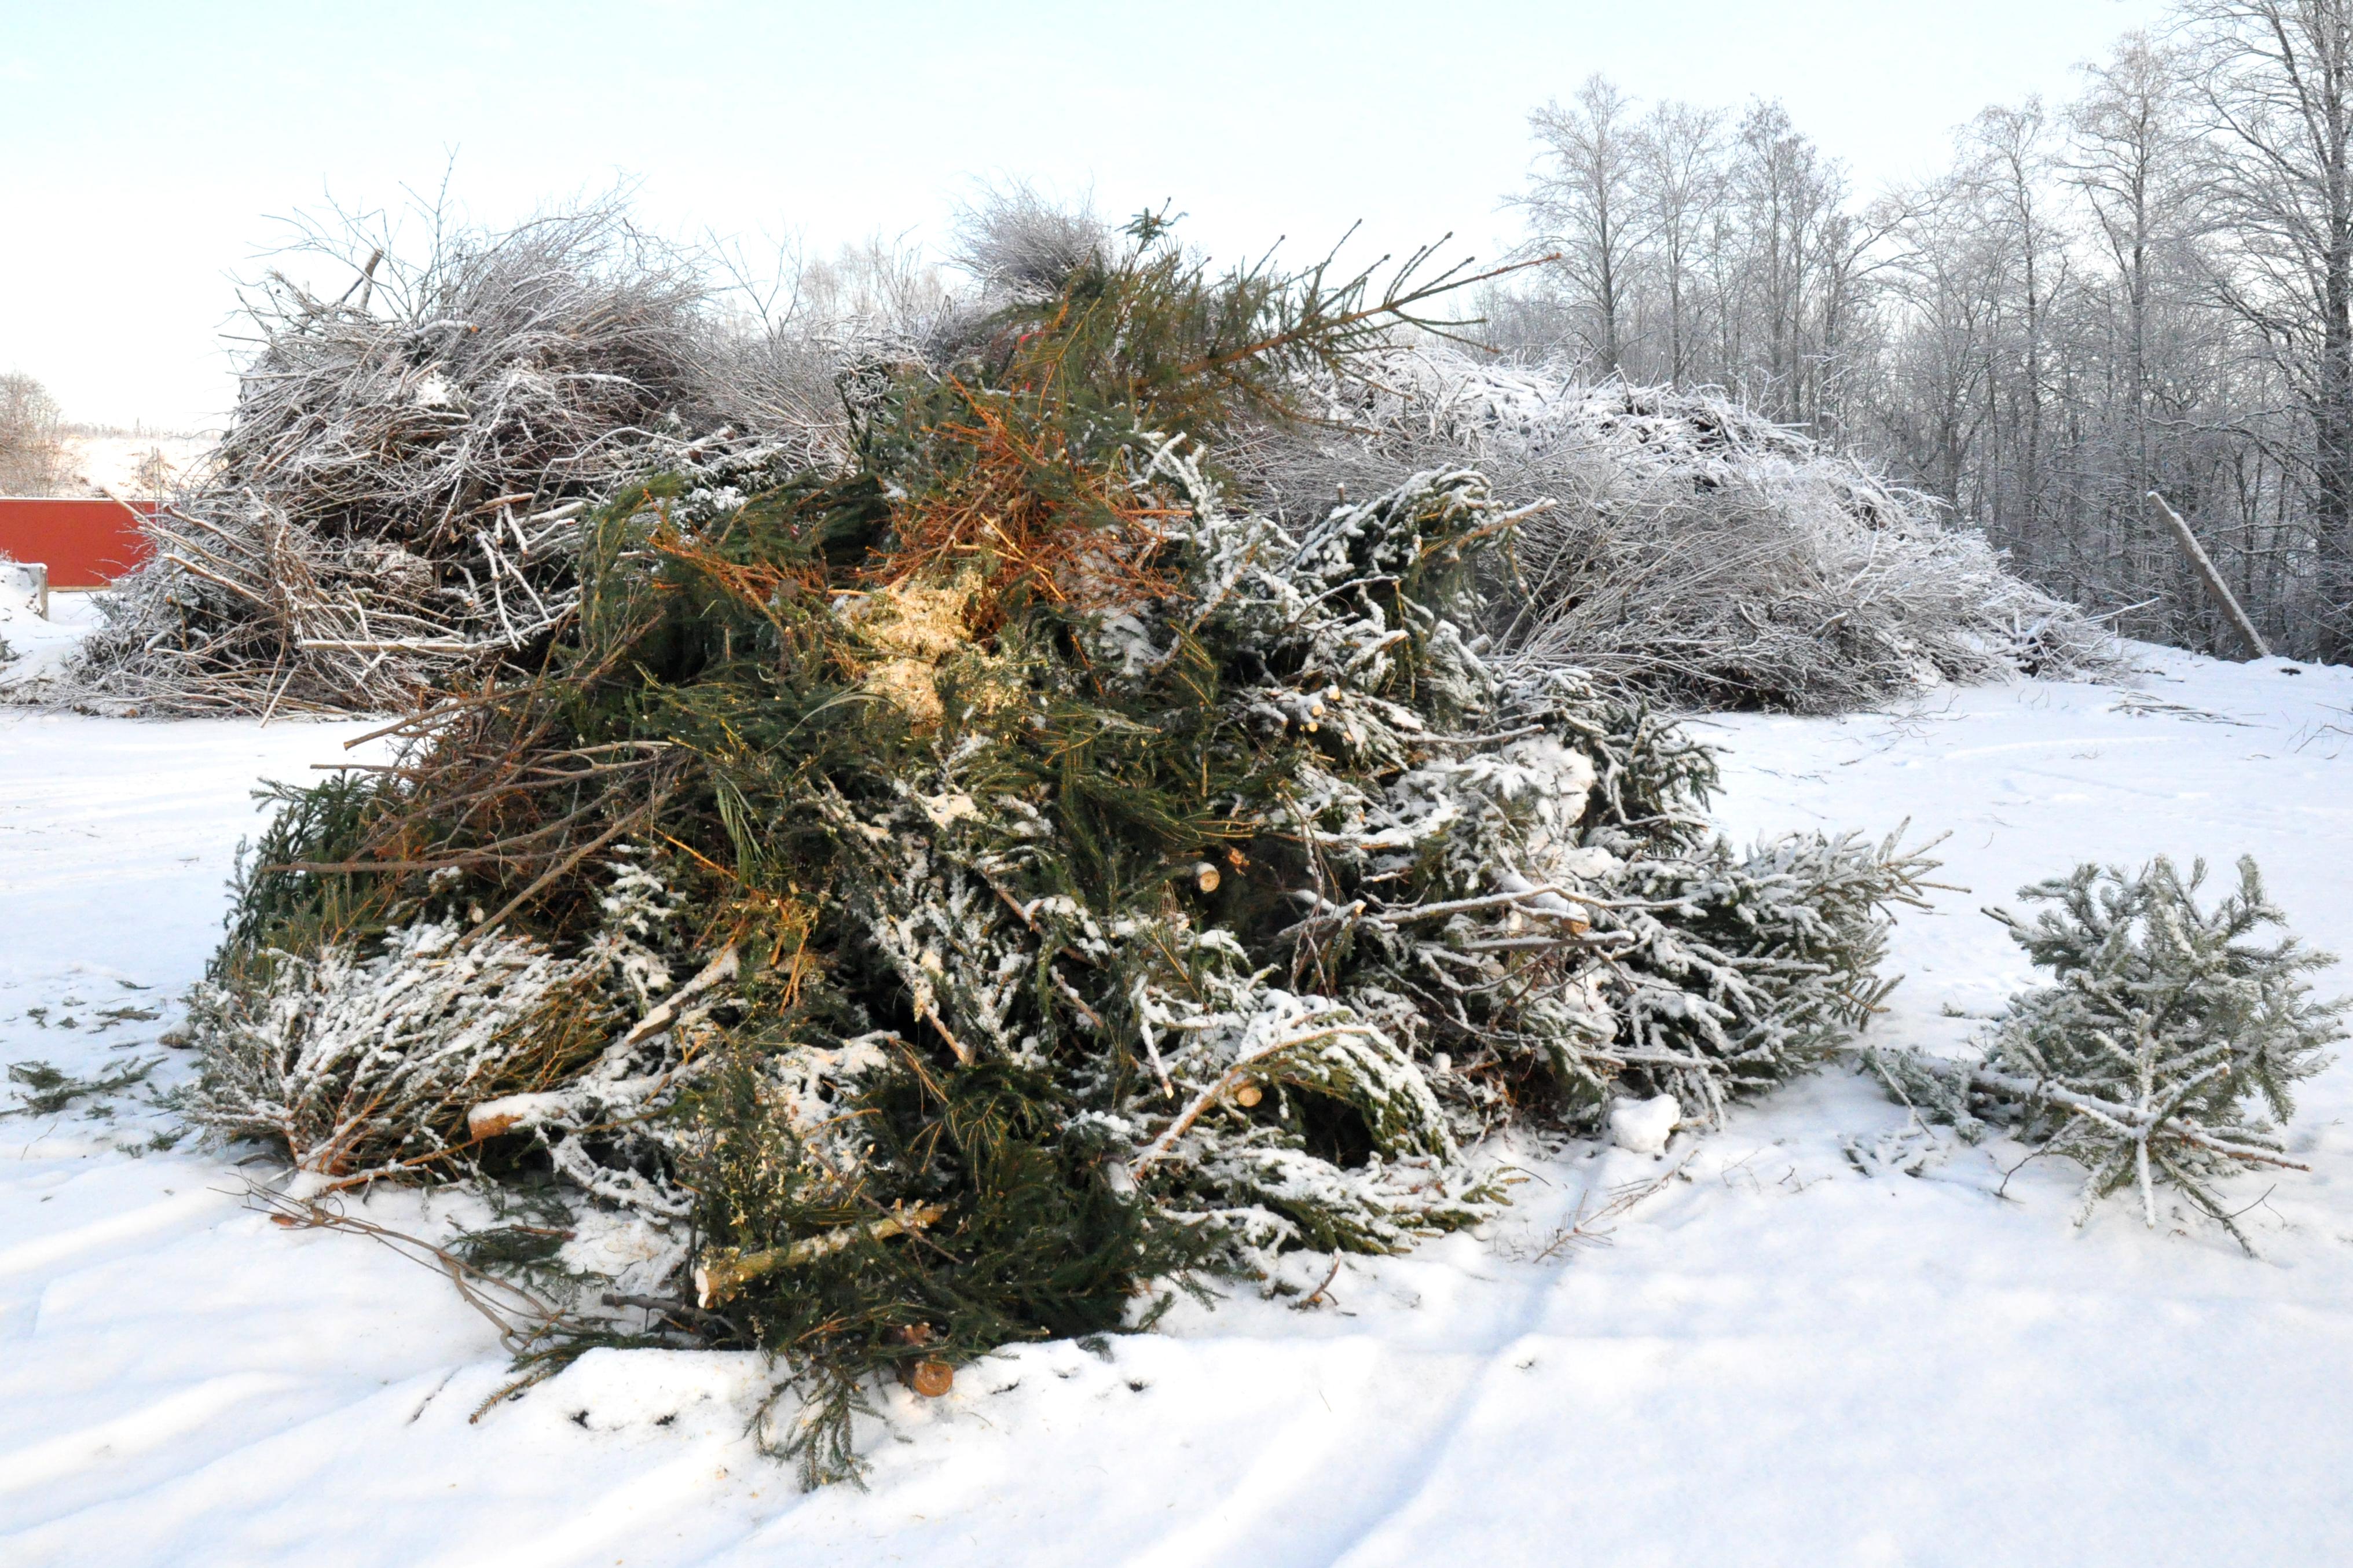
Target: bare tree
(1802, 254)
(1679, 180)
(1933, 402)
(1582, 202)
(2277, 84)
(2013, 175)
(2130, 157)
(2134, 164)
(32, 443)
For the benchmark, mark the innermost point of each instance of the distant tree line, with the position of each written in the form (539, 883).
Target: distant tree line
(2146, 287)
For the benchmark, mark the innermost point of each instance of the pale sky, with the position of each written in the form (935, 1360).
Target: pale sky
(146, 148)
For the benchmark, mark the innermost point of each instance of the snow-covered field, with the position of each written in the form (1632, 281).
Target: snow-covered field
(117, 463)
(1791, 1352)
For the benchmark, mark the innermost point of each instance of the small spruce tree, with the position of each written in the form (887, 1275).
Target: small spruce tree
(2165, 1050)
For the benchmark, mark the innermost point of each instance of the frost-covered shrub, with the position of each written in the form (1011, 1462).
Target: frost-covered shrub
(2165, 1050)
(1689, 548)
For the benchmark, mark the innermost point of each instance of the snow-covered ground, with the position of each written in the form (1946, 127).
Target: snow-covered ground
(1791, 1352)
(37, 646)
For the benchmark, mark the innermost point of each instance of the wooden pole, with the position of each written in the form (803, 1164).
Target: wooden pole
(2216, 589)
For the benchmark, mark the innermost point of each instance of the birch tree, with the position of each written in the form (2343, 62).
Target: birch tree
(1582, 201)
(2277, 86)
(1679, 182)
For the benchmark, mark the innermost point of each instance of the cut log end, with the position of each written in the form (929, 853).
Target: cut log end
(491, 1118)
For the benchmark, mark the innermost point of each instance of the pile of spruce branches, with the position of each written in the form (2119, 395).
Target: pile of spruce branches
(961, 894)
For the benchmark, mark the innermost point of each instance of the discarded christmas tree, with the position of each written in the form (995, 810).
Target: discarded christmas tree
(2164, 1051)
(1007, 882)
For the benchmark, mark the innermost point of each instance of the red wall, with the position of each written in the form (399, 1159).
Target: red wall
(84, 543)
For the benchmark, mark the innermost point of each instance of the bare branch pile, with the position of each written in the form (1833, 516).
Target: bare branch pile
(1694, 551)
(395, 505)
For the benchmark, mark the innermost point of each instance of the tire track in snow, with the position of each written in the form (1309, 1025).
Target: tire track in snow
(1433, 1449)
(138, 1431)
